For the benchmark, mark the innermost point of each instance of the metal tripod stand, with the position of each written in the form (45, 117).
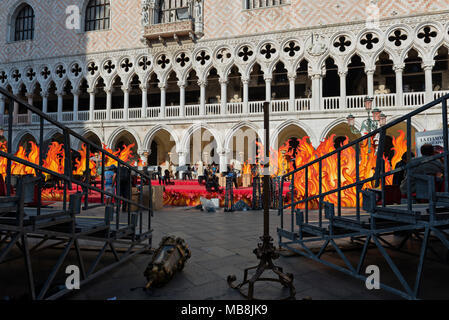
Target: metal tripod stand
(265, 251)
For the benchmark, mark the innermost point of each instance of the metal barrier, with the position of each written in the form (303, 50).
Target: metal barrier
(371, 222)
(66, 225)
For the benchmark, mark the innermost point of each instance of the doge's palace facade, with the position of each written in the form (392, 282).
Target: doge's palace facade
(157, 73)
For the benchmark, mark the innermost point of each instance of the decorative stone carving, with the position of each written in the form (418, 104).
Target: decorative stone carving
(318, 45)
(145, 13)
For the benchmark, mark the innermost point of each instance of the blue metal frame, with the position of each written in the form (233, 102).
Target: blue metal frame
(372, 222)
(16, 231)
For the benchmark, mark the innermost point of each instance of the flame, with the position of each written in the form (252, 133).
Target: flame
(125, 154)
(246, 168)
(80, 164)
(55, 158)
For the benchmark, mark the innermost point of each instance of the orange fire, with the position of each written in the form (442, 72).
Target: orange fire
(125, 154)
(54, 160)
(246, 168)
(80, 164)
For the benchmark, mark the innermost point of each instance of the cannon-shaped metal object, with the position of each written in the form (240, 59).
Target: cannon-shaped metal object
(169, 258)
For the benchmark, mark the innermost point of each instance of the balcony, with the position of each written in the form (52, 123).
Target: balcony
(171, 30)
(238, 109)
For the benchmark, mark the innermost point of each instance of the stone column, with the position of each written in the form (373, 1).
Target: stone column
(182, 157)
(76, 96)
(342, 75)
(224, 95)
(108, 103)
(16, 108)
(44, 96)
(2, 109)
(144, 101)
(245, 95)
(162, 87)
(399, 69)
(182, 98)
(428, 67)
(91, 104)
(370, 79)
(125, 102)
(292, 80)
(202, 85)
(316, 97)
(268, 79)
(60, 104)
(30, 102)
(223, 161)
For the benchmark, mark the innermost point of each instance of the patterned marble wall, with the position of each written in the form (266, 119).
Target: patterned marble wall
(223, 18)
(53, 39)
(226, 18)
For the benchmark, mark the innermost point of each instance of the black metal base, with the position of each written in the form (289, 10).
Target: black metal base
(266, 253)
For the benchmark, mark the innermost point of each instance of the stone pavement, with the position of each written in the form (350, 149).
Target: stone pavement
(222, 244)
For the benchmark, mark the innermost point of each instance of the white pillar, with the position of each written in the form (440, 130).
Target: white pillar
(267, 79)
(91, 104)
(2, 109)
(182, 98)
(16, 108)
(108, 103)
(163, 99)
(399, 85)
(245, 95)
(76, 96)
(292, 80)
(316, 97)
(370, 79)
(144, 101)
(429, 83)
(321, 88)
(125, 103)
(202, 85)
(342, 75)
(60, 103)
(182, 157)
(44, 96)
(224, 95)
(223, 162)
(30, 101)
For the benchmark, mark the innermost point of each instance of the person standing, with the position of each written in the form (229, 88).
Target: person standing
(125, 176)
(109, 182)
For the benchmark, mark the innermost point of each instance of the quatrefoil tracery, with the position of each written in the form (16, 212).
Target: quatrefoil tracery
(144, 63)
(342, 43)
(398, 37)
(183, 59)
(268, 51)
(245, 53)
(427, 34)
(369, 41)
(203, 57)
(292, 48)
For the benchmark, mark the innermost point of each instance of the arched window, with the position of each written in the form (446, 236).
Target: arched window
(24, 24)
(98, 15)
